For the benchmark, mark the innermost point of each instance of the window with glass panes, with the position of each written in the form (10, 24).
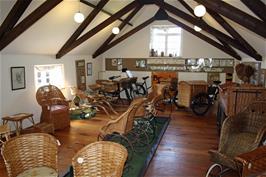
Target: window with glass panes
(49, 74)
(166, 39)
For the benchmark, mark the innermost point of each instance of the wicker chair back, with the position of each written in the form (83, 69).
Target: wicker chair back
(101, 158)
(29, 151)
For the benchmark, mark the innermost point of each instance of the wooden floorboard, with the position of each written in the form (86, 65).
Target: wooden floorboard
(181, 153)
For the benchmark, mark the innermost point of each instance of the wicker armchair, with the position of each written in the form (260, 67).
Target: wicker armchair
(101, 159)
(31, 155)
(241, 133)
(55, 108)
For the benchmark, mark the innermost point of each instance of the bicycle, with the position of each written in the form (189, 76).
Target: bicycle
(139, 88)
(203, 101)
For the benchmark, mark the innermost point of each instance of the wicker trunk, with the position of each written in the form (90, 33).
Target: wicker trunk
(188, 89)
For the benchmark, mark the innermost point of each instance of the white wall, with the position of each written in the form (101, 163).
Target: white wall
(138, 46)
(24, 100)
(1, 85)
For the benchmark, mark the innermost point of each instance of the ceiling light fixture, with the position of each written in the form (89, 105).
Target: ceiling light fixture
(196, 28)
(115, 30)
(79, 17)
(200, 10)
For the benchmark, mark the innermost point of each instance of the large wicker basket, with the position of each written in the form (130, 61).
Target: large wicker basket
(100, 159)
(30, 151)
(188, 89)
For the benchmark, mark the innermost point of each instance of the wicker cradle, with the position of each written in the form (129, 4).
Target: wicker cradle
(100, 159)
(188, 89)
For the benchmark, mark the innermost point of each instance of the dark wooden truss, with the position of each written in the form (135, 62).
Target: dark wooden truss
(38, 13)
(103, 10)
(228, 47)
(216, 8)
(257, 7)
(112, 36)
(236, 15)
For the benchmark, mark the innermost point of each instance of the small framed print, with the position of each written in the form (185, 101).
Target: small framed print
(80, 63)
(114, 62)
(222, 62)
(215, 62)
(18, 80)
(230, 63)
(89, 69)
(141, 63)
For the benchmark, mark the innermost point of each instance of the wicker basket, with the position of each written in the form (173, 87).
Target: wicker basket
(100, 159)
(188, 89)
(30, 151)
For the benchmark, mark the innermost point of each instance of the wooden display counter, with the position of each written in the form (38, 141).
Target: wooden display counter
(163, 77)
(234, 98)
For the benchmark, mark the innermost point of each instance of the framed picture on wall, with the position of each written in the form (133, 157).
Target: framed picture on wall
(141, 63)
(18, 80)
(89, 69)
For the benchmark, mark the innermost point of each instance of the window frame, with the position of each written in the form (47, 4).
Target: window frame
(48, 76)
(166, 38)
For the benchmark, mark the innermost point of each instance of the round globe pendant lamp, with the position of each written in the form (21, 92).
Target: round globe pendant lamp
(199, 10)
(196, 28)
(79, 17)
(115, 30)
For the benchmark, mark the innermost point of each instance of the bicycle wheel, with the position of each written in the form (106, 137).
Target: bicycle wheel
(138, 91)
(141, 90)
(200, 104)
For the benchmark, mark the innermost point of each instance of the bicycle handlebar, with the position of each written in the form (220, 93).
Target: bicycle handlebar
(144, 78)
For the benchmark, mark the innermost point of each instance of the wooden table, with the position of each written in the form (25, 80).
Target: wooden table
(254, 162)
(17, 120)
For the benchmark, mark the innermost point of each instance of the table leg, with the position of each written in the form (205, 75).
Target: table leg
(32, 120)
(17, 128)
(5, 122)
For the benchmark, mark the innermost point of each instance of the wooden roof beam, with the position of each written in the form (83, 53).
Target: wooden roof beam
(84, 24)
(228, 47)
(125, 36)
(98, 28)
(234, 33)
(203, 26)
(257, 7)
(13, 16)
(121, 26)
(203, 37)
(236, 15)
(28, 21)
(104, 11)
